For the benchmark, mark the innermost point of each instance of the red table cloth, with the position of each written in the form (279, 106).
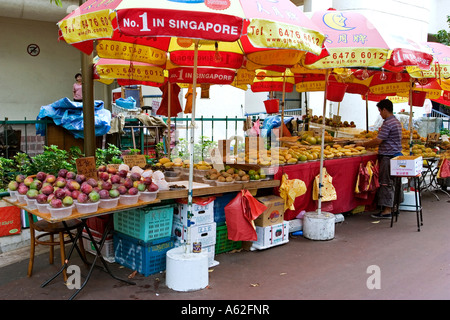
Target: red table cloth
(344, 172)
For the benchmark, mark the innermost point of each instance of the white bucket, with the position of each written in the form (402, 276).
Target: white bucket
(186, 271)
(318, 226)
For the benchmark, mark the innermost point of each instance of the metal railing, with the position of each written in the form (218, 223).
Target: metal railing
(445, 118)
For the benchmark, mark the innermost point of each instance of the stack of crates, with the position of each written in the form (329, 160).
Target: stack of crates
(142, 237)
(223, 244)
(202, 225)
(97, 227)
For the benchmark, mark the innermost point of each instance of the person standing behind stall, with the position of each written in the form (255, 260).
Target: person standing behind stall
(78, 88)
(389, 140)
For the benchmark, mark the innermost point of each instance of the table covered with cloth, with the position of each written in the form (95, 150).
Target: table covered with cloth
(344, 172)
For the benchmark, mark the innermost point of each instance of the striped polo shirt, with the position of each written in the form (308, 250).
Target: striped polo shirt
(391, 134)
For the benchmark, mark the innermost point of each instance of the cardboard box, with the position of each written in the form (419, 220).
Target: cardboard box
(204, 233)
(270, 236)
(201, 214)
(107, 249)
(10, 222)
(274, 214)
(406, 166)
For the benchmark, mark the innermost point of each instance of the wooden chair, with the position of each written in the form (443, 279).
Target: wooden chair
(50, 230)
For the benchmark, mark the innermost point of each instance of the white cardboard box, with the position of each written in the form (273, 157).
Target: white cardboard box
(200, 214)
(406, 166)
(271, 236)
(108, 247)
(204, 233)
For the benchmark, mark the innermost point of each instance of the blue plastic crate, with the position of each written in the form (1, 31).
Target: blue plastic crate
(219, 207)
(146, 223)
(144, 257)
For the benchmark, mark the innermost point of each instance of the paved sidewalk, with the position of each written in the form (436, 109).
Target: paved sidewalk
(412, 265)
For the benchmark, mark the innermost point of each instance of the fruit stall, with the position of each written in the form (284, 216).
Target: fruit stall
(145, 200)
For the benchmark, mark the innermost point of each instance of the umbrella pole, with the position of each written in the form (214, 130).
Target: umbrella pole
(319, 200)
(367, 112)
(282, 105)
(411, 82)
(168, 118)
(88, 105)
(191, 147)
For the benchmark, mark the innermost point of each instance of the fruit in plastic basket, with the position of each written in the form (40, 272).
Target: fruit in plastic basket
(104, 194)
(115, 178)
(62, 173)
(106, 185)
(128, 183)
(73, 185)
(67, 201)
(41, 198)
(32, 193)
(141, 186)
(93, 182)
(122, 189)
(28, 181)
(122, 173)
(20, 178)
(134, 176)
(111, 170)
(13, 185)
(47, 189)
(103, 175)
(60, 193)
(133, 191)
(71, 175)
(86, 188)
(75, 194)
(80, 178)
(60, 182)
(114, 193)
(94, 196)
(36, 185)
(82, 198)
(50, 178)
(56, 203)
(152, 187)
(41, 176)
(22, 189)
(147, 181)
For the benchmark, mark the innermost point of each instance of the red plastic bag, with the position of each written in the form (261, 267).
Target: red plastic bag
(239, 215)
(444, 170)
(175, 108)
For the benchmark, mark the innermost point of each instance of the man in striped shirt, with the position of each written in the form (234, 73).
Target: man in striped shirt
(389, 140)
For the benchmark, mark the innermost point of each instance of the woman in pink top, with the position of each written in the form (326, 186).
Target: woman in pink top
(77, 88)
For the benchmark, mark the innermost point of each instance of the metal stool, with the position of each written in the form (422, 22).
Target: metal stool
(418, 198)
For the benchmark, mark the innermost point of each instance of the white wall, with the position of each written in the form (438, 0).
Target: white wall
(28, 82)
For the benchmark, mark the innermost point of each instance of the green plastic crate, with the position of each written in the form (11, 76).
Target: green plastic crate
(223, 244)
(146, 223)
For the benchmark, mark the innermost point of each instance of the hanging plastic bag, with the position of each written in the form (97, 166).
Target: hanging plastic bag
(290, 190)
(239, 215)
(374, 184)
(328, 190)
(175, 107)
(444, 169)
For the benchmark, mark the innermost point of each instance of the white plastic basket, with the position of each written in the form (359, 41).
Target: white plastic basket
(128, 113)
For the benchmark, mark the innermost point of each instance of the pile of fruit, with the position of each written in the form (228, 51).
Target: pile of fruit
(180, 163)
(230, 174)
(63, 189)
(419, 150)
(330, 122)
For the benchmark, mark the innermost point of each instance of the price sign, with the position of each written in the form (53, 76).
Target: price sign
(113, 165)
(86, 166)
(433, 137)
(135, 160)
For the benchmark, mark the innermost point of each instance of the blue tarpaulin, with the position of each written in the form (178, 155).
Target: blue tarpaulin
(69, 115)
